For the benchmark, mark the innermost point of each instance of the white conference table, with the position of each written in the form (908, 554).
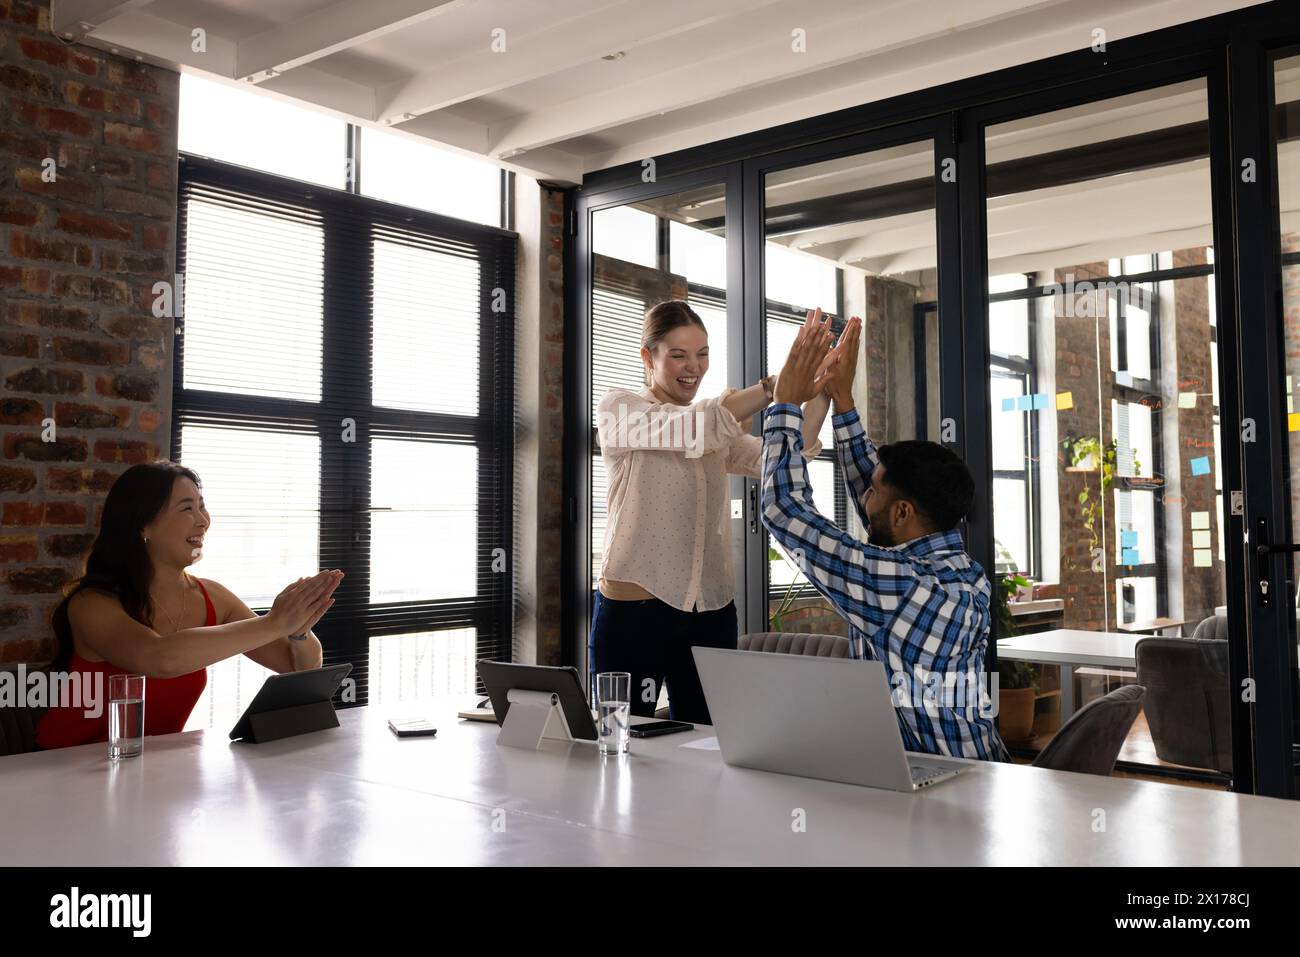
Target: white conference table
(1069, 648)
(358, 795)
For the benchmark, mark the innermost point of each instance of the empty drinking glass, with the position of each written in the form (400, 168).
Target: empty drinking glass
(125, 716)
(613, 711)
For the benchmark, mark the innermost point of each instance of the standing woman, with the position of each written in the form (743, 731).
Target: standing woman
(666, 581)
(138, 610)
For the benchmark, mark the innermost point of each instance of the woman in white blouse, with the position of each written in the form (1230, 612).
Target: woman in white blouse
(666, 580)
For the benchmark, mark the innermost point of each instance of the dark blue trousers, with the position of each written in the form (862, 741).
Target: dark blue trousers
(652, 640)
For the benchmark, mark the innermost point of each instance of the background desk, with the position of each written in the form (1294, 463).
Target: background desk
(358, 795)
(1069, 648)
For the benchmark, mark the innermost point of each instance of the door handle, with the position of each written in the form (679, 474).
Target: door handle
(753, 507)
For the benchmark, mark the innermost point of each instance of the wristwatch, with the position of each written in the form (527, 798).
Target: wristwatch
(769, 386)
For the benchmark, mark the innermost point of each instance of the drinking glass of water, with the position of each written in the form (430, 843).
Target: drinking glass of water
(125, 716)
(613, 711)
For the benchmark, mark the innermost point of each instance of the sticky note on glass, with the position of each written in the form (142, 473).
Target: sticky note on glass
(1025, 402)
(1293, 422)
(1009, 405)
(1201, 557)
(1201, 538)
(1128, 556)
(1201, 465)
(1040, 400)
(1200, 519)
(1128, 539)
(1064, 400)
(1187, 400)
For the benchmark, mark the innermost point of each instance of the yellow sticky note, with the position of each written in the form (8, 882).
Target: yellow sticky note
(1187, 400)
(1293, 422)
(1200, 519)
(1064, 400)
(1201, 557)
(1201, 539)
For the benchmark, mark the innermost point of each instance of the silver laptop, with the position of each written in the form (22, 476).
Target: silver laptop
(827, 718)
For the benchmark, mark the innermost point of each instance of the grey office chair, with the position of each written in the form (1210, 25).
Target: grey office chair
(793, 643)
(1090, 740)
(1188, 698)
(1216, 626)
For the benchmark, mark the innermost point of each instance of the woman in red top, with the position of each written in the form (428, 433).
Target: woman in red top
(137, 610)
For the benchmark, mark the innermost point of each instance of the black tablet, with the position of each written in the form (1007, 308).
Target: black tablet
(500, 676)
(291, 690)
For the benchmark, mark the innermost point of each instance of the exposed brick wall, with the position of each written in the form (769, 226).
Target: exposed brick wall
(84, 365)
(1291, 327)
(539, 431)
(1080, 340)
(1090, 602)
(1203, 588)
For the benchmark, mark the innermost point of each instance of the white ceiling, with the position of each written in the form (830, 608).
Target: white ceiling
(685, 72)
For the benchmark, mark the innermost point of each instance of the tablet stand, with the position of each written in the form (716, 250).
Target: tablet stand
(286, 722)
(533, 715)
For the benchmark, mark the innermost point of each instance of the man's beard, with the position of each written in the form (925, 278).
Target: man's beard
(880, 536)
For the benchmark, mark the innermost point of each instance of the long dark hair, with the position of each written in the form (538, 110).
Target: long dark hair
(118, 562)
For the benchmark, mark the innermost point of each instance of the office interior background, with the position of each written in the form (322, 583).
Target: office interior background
(405, 270)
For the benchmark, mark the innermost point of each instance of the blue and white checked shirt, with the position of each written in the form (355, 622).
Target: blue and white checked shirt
(921, 608)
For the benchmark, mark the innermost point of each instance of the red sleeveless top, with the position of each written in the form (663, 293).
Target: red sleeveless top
(167, 701)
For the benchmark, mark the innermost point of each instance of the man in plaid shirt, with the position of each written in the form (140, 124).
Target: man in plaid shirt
(913, 598)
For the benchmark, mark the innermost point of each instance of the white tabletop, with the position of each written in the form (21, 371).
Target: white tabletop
(1069, 646)
(358, 795)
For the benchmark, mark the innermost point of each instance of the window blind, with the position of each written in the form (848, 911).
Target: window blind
(344, 386)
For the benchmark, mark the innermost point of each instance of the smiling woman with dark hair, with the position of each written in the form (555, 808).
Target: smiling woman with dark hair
(138, 610)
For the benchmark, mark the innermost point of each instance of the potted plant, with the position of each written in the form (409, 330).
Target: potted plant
(1016, 688)
(1087, 455)
(776, 619)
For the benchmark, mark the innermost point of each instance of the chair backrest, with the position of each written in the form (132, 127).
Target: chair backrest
(1090, 740)
(1187, 700)
(792, 643)
(1216, 626)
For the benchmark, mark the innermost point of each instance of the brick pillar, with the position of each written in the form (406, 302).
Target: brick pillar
(1083, 338)
(1203, 588)
(87, 226)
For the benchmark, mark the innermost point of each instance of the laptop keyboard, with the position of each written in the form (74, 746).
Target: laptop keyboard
(923, 774)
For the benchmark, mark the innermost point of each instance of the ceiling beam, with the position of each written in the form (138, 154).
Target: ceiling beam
(73, 19)
(614, 28)
(751, 59)
(943, 60)
(323, 32)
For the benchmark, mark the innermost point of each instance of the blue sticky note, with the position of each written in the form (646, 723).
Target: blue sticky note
(1040, 400)
(1025, 402)
(1201, 466)
(1009, 405)
(1129, 556)
(1128, 539)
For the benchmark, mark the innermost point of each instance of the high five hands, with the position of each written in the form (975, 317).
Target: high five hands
(813, 366)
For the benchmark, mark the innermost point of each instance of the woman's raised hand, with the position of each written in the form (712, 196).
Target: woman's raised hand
(798, 381)
(301, 605)
(840, 365)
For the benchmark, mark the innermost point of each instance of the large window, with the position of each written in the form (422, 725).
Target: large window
(344, 388)
(244, 127)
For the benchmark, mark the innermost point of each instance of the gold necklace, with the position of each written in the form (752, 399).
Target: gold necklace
(175, 625)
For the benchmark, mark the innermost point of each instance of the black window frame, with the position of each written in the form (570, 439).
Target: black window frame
(345, 506)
